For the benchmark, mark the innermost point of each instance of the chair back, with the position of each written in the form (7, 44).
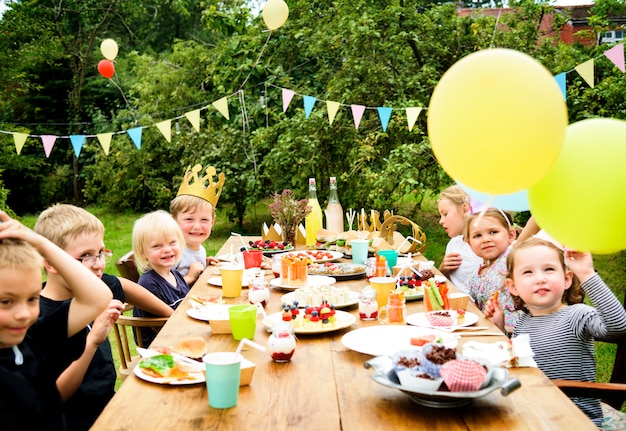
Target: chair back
(126, 267)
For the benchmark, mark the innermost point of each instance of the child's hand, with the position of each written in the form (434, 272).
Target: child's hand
(104, 322)
(580, 263)
(195, 269)
(451, 262)
(493, 311)
(211, 260)
(10, 228)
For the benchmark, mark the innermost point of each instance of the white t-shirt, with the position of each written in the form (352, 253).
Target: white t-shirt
(189, 257)
(469, 266)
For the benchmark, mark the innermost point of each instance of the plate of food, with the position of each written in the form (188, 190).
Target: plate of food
(387, 339)
(301, 326)
(347, 299)
(448, 319)
(342, 271)
(269, 247)
(165, 369)
(312, 281)
(209, 312)
(320, 256)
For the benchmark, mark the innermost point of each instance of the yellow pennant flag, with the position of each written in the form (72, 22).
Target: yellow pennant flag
(165, 127)
(19, 139)
(585, 70)
(105, 141)
(222, 106)
(411, 116)
(194, 119)
(332, 107)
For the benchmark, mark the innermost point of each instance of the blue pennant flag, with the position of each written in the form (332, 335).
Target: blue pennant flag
(77, 143)
(135, 135)
(560, 80)
(309, 101)
(384, 114)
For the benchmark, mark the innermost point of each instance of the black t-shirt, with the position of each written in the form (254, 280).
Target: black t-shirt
(29, 399)
(98, 386)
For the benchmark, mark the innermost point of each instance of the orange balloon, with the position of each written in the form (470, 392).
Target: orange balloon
(106, 68)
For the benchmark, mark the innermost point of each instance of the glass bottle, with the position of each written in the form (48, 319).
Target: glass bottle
(282, 343)
(334, 211)
(313, 222)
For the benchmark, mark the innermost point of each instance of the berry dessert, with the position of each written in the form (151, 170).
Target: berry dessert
(322, 316)
(269, 245)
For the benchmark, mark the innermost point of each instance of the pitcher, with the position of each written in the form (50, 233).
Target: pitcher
(394, 313)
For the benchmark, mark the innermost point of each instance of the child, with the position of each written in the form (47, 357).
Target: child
(193, 208)
(490, 236)
(548, 286)
(88, 383)
(459, 262)
(35, 350)
(157, 246)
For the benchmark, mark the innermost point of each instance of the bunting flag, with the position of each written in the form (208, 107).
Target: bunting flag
(411, 116)
(585, 70)
(135, 135)
(165, 127)
(48, 142)
(332, 108)
(287, 96)
(77, 143)
(357, 114)
(309, 102)
(194, 119)
(105, 141)
(560, 80)
(222, 106)
(616, 55)
(384, 114)
(19, 139)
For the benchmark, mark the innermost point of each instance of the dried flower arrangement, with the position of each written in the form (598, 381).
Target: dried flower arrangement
(288, 212)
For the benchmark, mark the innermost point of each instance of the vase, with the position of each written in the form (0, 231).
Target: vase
(289, 233)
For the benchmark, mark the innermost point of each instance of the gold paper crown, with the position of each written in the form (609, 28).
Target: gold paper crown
(203, 188)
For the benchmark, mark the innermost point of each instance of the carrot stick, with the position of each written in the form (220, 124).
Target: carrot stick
(495, 296)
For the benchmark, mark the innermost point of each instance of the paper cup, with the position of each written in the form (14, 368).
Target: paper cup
(222, 378)
(359, 250)
(252, 258)
(243, 321)
(232, 278)
(391, 256)
(383, 285)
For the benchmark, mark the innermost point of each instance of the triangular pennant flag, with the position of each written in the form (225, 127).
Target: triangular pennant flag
(560, 81)
(586, 71)
(384, 114)
(222, 106)
(165, 127)
(77, 143)
(616, 55)
(357, 114)
(309, 102)
(411, 116)
(48, 143)
(105, 141)
(19, 139)
(287, 96)
(332, 108)
(194, 119)
(135, 135)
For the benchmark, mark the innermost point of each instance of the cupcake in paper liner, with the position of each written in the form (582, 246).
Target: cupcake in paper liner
(441, 318)
(464, 375)
(411, 374)
(407, 359)
(433, 356)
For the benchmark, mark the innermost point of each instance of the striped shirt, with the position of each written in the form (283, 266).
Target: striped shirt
(563, 342)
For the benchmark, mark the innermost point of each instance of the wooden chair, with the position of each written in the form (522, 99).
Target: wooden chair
(127, 268)
(122, 335)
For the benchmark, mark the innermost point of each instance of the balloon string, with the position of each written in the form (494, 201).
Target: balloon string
(257, 60)
(483, 211)
(123, 95)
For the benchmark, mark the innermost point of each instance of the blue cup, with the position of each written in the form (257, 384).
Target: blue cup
(391, 256)
(359, 250)
(223, 370)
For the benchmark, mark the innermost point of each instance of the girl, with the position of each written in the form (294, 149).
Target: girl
(157, 246)
(548, 287)
(490, 237)
(460, 262)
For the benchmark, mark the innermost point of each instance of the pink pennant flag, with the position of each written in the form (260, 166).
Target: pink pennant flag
(616, 55)
(287, 96)
(48, 143)
(357, 113)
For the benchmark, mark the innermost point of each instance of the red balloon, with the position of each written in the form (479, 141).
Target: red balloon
(106, 68)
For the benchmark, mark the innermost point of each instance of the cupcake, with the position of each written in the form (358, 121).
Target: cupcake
(463, 375)
(411, 374)
(434, 356)
(441, 318)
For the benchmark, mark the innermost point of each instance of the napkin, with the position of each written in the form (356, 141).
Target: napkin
(512, 353)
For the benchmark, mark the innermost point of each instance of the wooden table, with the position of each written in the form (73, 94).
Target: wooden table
(324, 387)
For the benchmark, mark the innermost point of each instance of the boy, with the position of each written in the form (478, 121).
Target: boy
(193, 208)
(88, 383)
(34, 350)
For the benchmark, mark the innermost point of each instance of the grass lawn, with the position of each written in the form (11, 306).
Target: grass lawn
(612, 267)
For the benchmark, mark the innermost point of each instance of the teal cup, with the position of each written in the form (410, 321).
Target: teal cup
(391, 256)
(359, 250)
(242, 321)
(223, 370)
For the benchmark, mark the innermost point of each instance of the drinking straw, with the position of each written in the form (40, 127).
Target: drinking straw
(242, 241)
(259, 306)
(249, 343)
(405, 240)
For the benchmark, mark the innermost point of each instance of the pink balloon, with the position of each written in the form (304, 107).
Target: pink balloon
(106, 68)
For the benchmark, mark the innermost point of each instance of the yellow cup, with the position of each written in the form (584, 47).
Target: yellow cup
(383, 285)
(232, 278)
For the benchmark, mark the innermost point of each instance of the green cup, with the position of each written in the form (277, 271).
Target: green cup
(391, 256)
(223, 370)
(243, 321)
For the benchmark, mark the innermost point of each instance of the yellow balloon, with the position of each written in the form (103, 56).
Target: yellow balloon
(497, 121)
(109, 49)
(275, 13)
(579, 201)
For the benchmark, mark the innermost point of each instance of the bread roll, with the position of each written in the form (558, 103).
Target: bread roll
(194, 348)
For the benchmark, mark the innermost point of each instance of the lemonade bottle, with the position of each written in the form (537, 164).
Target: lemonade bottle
(334, 211)
(313, 222)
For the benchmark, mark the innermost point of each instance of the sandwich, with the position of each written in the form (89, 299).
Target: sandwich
(325, 238)
(163, 366)
(193, 348)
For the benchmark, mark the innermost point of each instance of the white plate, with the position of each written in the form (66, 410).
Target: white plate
(288, 298)
(419, 319)
(344, 320)
(336, 255)
(314, 281)
(210, 312)
(388, 339)
(194, 378)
